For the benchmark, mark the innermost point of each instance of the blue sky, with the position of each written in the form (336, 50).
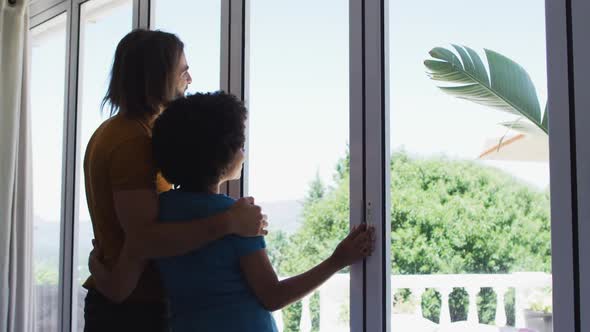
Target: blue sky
(298, 97)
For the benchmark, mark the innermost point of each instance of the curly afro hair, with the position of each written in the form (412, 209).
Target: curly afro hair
(196, 138)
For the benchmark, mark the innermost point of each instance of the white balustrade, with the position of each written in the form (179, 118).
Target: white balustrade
(305, 324)
(472, 315)
(334, 296)
(445, 312)
(501, 319)
(417, 294)
(519, 307)
(278, 316)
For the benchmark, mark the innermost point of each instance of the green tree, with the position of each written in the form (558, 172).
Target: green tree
(278, 244)
(316, 190)
(447, 216)
(460, 217)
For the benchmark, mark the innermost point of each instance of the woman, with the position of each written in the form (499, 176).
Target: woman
(228, 285)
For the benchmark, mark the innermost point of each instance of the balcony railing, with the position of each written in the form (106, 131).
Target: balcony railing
(333, 296)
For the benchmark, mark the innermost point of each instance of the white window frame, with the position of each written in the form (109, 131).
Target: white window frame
(234, 78)
(55, 10)
(562, 169)
(370, 284)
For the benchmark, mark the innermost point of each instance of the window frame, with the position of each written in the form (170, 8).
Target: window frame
(369, 302)
(369, 161)
(369, 148)
(562, 170)
(234, 75)
(578, 82)
(52, 11)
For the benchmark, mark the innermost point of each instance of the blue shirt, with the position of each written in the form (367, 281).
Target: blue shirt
(206, 288)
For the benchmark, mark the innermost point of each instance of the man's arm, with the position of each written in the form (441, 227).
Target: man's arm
(137, 210)
(145, 238)
(117, 284)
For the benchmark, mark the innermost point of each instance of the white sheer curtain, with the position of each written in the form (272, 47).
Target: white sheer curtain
(16, 291)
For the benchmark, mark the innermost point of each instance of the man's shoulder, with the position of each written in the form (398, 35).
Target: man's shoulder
(116, 131)
(123, 128)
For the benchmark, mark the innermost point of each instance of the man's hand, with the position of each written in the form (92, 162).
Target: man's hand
(95, 266)
(246, 218)
(116, 284)
(97, 269)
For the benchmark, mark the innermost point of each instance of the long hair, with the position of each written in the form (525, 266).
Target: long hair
(143, 77)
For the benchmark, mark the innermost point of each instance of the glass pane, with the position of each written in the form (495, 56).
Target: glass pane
(299, 129)
(198, 25)
(47, 127)
(102, 25)
(470, 173)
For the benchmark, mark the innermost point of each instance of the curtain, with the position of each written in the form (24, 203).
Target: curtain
(16, 269)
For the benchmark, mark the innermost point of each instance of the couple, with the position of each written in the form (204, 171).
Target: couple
(171, 251)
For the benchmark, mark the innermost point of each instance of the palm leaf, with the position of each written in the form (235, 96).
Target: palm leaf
(525, 127)
(507, 86)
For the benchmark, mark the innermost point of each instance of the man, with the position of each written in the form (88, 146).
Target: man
(125, 294)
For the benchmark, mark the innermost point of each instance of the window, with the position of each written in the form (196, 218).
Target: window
(470, 224)
(297, 149)
(47, 85)
(471, 235)
(102, 25)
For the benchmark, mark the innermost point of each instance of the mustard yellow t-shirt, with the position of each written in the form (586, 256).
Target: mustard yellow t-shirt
(119, 157)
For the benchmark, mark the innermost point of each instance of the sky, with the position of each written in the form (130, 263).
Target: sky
(298, 88)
